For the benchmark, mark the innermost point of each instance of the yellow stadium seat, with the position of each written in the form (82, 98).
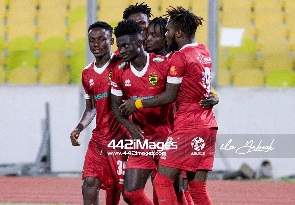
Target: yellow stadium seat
(21, 18)
(54, 77)
(22, 43)
(77, 3)
(281, 78)
(222, 58)
(2, 44)
(236, 13)
(52, 19)
(200, 8)
(243, 61)
(272, 38)
(2, 59)
(79, 46)
(53, 68)
(202, 35)
(231, 5)
(237, 18)
(77, 60)
(53, 44)
(51, 59)
(3, 6)
(2, 75)
(224, 77)
(247, 46)
(21, 58)
(276, 61)
(78, 14)
(266, 18)
(77, 31)
(23, 75)
(111, 11)
(289, 7)
(249, 78)
(77, 63)
(268, 5)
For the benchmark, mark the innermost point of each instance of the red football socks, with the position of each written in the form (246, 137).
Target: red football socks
(198, 192)
(165, 190)
(113, 196)
(138, 197)
(181, 198)
(188, 198)
(155, 198)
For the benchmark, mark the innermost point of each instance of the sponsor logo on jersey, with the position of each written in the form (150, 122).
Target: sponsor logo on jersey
(127, 83)
(101, 95)
(143, 98)
(198, 144)
(122, 65)
(203, 59)
(153, 78)
(158, 59)
(173, 71)
(110, 75)
(91, 82)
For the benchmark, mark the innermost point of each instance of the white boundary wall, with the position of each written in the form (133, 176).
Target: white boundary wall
(22, 110)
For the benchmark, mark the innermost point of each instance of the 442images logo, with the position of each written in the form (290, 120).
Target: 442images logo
(132, 146)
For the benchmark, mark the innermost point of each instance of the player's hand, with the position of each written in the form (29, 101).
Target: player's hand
(128, 107)
(74, 137)
(135, 131)
(210, 101)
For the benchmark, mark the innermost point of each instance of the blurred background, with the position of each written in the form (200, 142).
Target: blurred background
(43, 49)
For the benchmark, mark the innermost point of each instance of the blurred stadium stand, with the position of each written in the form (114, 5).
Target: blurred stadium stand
(43, 39)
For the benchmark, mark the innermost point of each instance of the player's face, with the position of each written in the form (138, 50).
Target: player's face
(142, 20)
(100, 41)
(170, 37)
(129, 46)
(156, 40)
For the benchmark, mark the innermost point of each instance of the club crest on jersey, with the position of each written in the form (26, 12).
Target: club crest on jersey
(122, 65)
(158, 59)
(110, 75)
(91, 82)
(127, 83)
(173, 71)
(153, 78)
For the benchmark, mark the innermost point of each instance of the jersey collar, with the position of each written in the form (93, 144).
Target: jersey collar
(143, 71)
(101, 69)
(189, 45)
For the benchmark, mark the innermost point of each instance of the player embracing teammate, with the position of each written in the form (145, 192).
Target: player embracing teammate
(195, 127)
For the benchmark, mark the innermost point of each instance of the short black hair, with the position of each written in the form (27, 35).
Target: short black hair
(127, 27)
(101, 24)
(162, 22)
(137, 8)
(184, 20)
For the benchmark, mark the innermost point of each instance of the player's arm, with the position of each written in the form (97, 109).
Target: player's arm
(211, 100)
(167, 97)
(133, 129)
(86, 119)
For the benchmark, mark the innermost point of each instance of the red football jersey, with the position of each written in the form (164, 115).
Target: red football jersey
(151, 81)
(97, 83)
(191, 66)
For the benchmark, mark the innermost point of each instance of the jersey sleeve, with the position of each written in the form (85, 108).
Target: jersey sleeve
(87, 94)
(116, 87)
(177, 68)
